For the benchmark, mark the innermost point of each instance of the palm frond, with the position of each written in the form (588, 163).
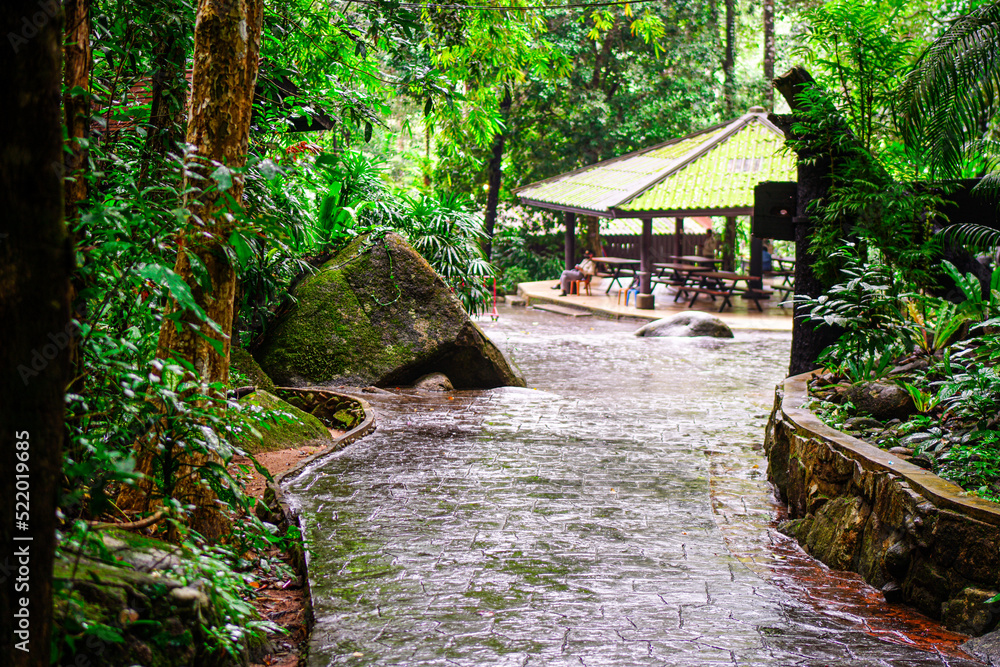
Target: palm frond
(977, 238)
(951, 95)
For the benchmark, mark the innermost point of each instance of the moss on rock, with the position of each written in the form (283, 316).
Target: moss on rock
(378, 314)
(137, 612)
(283, 424)
(245, 365)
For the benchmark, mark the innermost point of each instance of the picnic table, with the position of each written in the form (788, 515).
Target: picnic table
(708, 262)
(676, 274)
(619, 267)
(784, 263)
(722, 284)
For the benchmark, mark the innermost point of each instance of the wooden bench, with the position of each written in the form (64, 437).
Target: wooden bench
(712, 292)
(757, 295)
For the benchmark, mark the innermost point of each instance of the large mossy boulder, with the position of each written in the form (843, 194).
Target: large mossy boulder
(378, 314)
(283, 425)
(241, 363)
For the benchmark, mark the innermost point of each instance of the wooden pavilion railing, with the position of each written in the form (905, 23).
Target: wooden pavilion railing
(627, 245)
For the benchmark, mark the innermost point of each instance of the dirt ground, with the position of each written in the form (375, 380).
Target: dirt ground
(280, 599)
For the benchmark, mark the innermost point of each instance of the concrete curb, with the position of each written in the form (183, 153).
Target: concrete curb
(277, 502)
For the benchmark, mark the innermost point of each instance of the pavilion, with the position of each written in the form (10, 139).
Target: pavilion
(711, 172)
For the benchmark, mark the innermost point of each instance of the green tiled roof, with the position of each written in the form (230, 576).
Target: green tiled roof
(712, 171)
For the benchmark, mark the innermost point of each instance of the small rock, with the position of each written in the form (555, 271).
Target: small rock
(190, 596)
(881, 400)
(968, 611)
(517, 302)
(916, 438)
(434, 382)
(862, 423)
(923, 460)
(901, 451)
(912, 367)
(892, 592)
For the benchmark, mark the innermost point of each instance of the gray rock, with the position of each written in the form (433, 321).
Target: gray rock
(862, 423)
(969, 612)
(901, 451)
(881, 400)
(378, 314)
(986, 648)
(688, 324)
(189, 596)
(434, 382)
(916, 439)
(517, 301)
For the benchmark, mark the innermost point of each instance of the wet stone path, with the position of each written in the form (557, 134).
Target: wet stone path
(614, 513)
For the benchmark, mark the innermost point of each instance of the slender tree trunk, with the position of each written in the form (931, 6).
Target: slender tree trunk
(226, 49)
(35, 265)
(77, 111)
(729, 60)
(76, 103)
(729, 245)
(169, 97)
(594, 234)
(495, 175)
(769, 53)
(427, 154)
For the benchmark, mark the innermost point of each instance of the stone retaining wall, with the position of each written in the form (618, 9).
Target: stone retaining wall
(905, 530)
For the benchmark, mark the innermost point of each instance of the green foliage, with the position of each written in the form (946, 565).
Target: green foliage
(868, 307)
(523, 257)
(949, 101)
(861, 57)
(976, 466)
(443, 229)
(860, 53)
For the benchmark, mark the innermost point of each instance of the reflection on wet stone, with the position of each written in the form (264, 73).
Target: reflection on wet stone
(612, 517)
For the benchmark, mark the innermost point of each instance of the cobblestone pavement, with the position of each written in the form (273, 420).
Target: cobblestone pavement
(572, 523)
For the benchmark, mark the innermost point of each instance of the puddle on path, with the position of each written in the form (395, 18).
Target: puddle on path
(614, 513)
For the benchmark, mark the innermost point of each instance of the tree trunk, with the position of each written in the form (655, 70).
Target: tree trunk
(594, 235)
(729, 245)
(169, 96)
(226, 48)
(35, 264)
(76, 104)
(769, 53)
(814, 178)
(729, 60)
(495, 176)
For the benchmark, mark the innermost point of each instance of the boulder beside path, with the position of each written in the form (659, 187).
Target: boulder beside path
(378, 314)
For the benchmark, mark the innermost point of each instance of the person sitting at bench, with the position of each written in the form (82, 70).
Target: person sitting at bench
(585, 270)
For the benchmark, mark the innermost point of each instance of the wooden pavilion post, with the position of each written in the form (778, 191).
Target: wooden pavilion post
(678, 236)
(570, 245)
(644, 299)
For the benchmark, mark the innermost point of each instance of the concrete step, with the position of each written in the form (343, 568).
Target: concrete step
(562, 310)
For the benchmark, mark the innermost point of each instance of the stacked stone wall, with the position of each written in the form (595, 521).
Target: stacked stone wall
(917, 537)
